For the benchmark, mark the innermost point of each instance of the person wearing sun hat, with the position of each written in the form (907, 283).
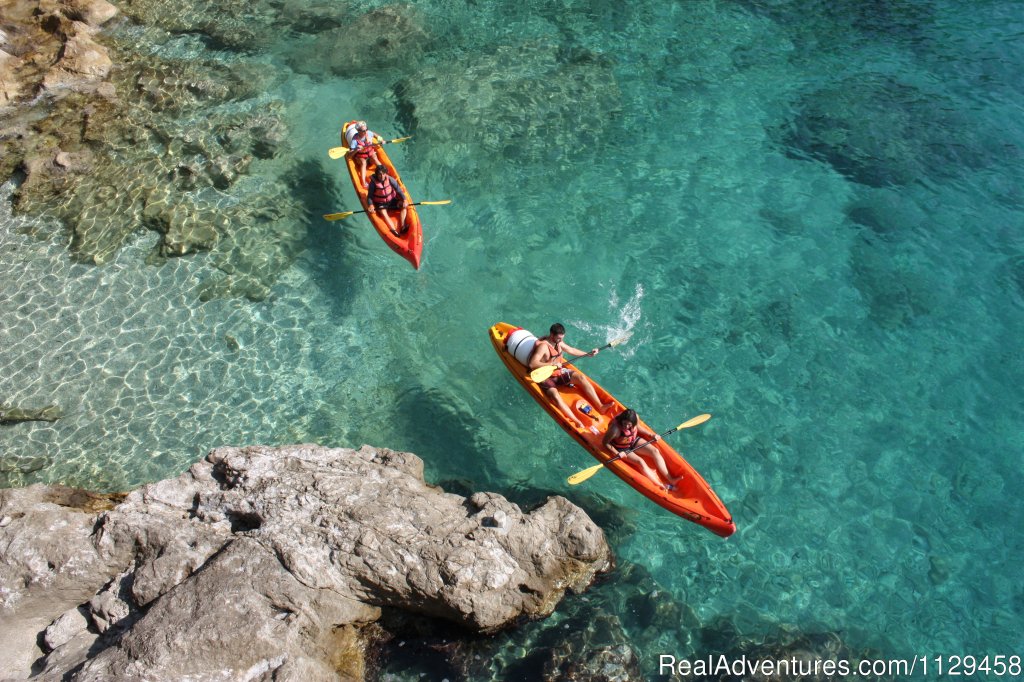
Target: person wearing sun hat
(362, 144)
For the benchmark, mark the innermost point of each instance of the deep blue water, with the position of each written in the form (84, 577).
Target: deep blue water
(808, 214)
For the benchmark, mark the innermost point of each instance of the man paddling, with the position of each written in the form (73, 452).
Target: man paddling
(548, 351)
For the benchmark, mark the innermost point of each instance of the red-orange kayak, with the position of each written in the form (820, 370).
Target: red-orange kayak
(693, 499)
(409, 245)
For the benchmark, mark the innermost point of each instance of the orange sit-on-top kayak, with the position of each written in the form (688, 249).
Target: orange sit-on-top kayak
(409, 243)
(692, 498)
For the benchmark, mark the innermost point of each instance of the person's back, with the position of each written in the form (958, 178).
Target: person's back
(351, 131)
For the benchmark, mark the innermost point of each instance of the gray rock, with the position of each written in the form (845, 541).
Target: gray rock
(293, 550)
(66, 627)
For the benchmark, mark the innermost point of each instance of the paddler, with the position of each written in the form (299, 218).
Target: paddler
(383, 193)
(624, 433)
(548, 351)
(361, 143)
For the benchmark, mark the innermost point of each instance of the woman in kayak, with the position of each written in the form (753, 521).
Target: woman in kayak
(624, 433)
(383, 193)
(361, 143)
(548, 351)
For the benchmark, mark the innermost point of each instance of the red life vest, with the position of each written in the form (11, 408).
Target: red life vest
(363, 147)
(626, 439)
(381, 193)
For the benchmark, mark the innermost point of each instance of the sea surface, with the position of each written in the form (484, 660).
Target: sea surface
(808, 216)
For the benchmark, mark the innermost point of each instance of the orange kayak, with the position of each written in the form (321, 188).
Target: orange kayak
(409, 245)
(693, 499)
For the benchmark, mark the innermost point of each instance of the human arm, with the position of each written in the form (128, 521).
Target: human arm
(566, 348)
(646, 435)
(609, 435)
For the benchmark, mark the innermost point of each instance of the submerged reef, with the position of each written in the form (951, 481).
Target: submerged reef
(880, 132)
(113, 138)
(520, 103)
(297, 551)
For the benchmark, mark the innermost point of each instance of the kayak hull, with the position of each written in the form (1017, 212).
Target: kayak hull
(409, 244)
(693, 500)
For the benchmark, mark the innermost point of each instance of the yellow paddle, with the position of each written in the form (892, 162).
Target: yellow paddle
(338, 152)
(345, 214)
(581, 476)
(544, 371)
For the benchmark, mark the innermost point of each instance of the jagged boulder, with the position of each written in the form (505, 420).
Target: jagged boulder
(293, 550)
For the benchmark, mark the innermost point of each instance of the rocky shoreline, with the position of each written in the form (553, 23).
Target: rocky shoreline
(270, 562)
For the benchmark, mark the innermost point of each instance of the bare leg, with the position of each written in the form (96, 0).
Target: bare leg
(639, 463)
(588, 390)
(388, 220)
(556, 398)
(401, 222)
(362, 168)
(659, 463)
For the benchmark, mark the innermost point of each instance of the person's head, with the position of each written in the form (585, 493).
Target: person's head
(557, 329)
(361, 126)
(380, 171)
(627, 416)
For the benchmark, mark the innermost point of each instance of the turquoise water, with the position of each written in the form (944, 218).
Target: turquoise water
(808, 215)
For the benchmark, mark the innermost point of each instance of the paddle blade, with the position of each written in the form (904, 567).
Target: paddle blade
(541, 373)
(336, 152)
(699, 419)
(581, 476)
(338, 216)
(620, 340)
(436, 203)
(399, 139)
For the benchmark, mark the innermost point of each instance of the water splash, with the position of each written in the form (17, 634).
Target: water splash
(624, 327)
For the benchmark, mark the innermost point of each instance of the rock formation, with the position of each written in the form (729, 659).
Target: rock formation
(11, 414)
(269, 561)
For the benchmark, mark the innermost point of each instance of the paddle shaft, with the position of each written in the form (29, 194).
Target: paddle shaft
(346, 214)
(544, 371)
(581, 476)
(338, 152)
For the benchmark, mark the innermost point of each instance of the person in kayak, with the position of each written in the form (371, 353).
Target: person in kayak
(361, 143)
(548, 351)
(383, 193)
(624, 433)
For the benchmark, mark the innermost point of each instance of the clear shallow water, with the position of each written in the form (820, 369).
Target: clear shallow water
(808, 215)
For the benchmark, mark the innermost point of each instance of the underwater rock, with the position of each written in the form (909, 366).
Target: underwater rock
(240, 25)
(880, 132)
(229, 24)
(13, 415)
(800, 655)
(24, 465)
(150, 143)
(895, 291)
(578, 657)
(380, 39)
(526, 103)
(292, 549)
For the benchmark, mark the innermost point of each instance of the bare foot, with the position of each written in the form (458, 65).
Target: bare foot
(579, 424)
(673, 483)
(605, 407)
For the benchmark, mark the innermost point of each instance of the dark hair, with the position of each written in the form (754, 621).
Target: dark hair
(627, 415)
(380, 169)
(557, 328)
